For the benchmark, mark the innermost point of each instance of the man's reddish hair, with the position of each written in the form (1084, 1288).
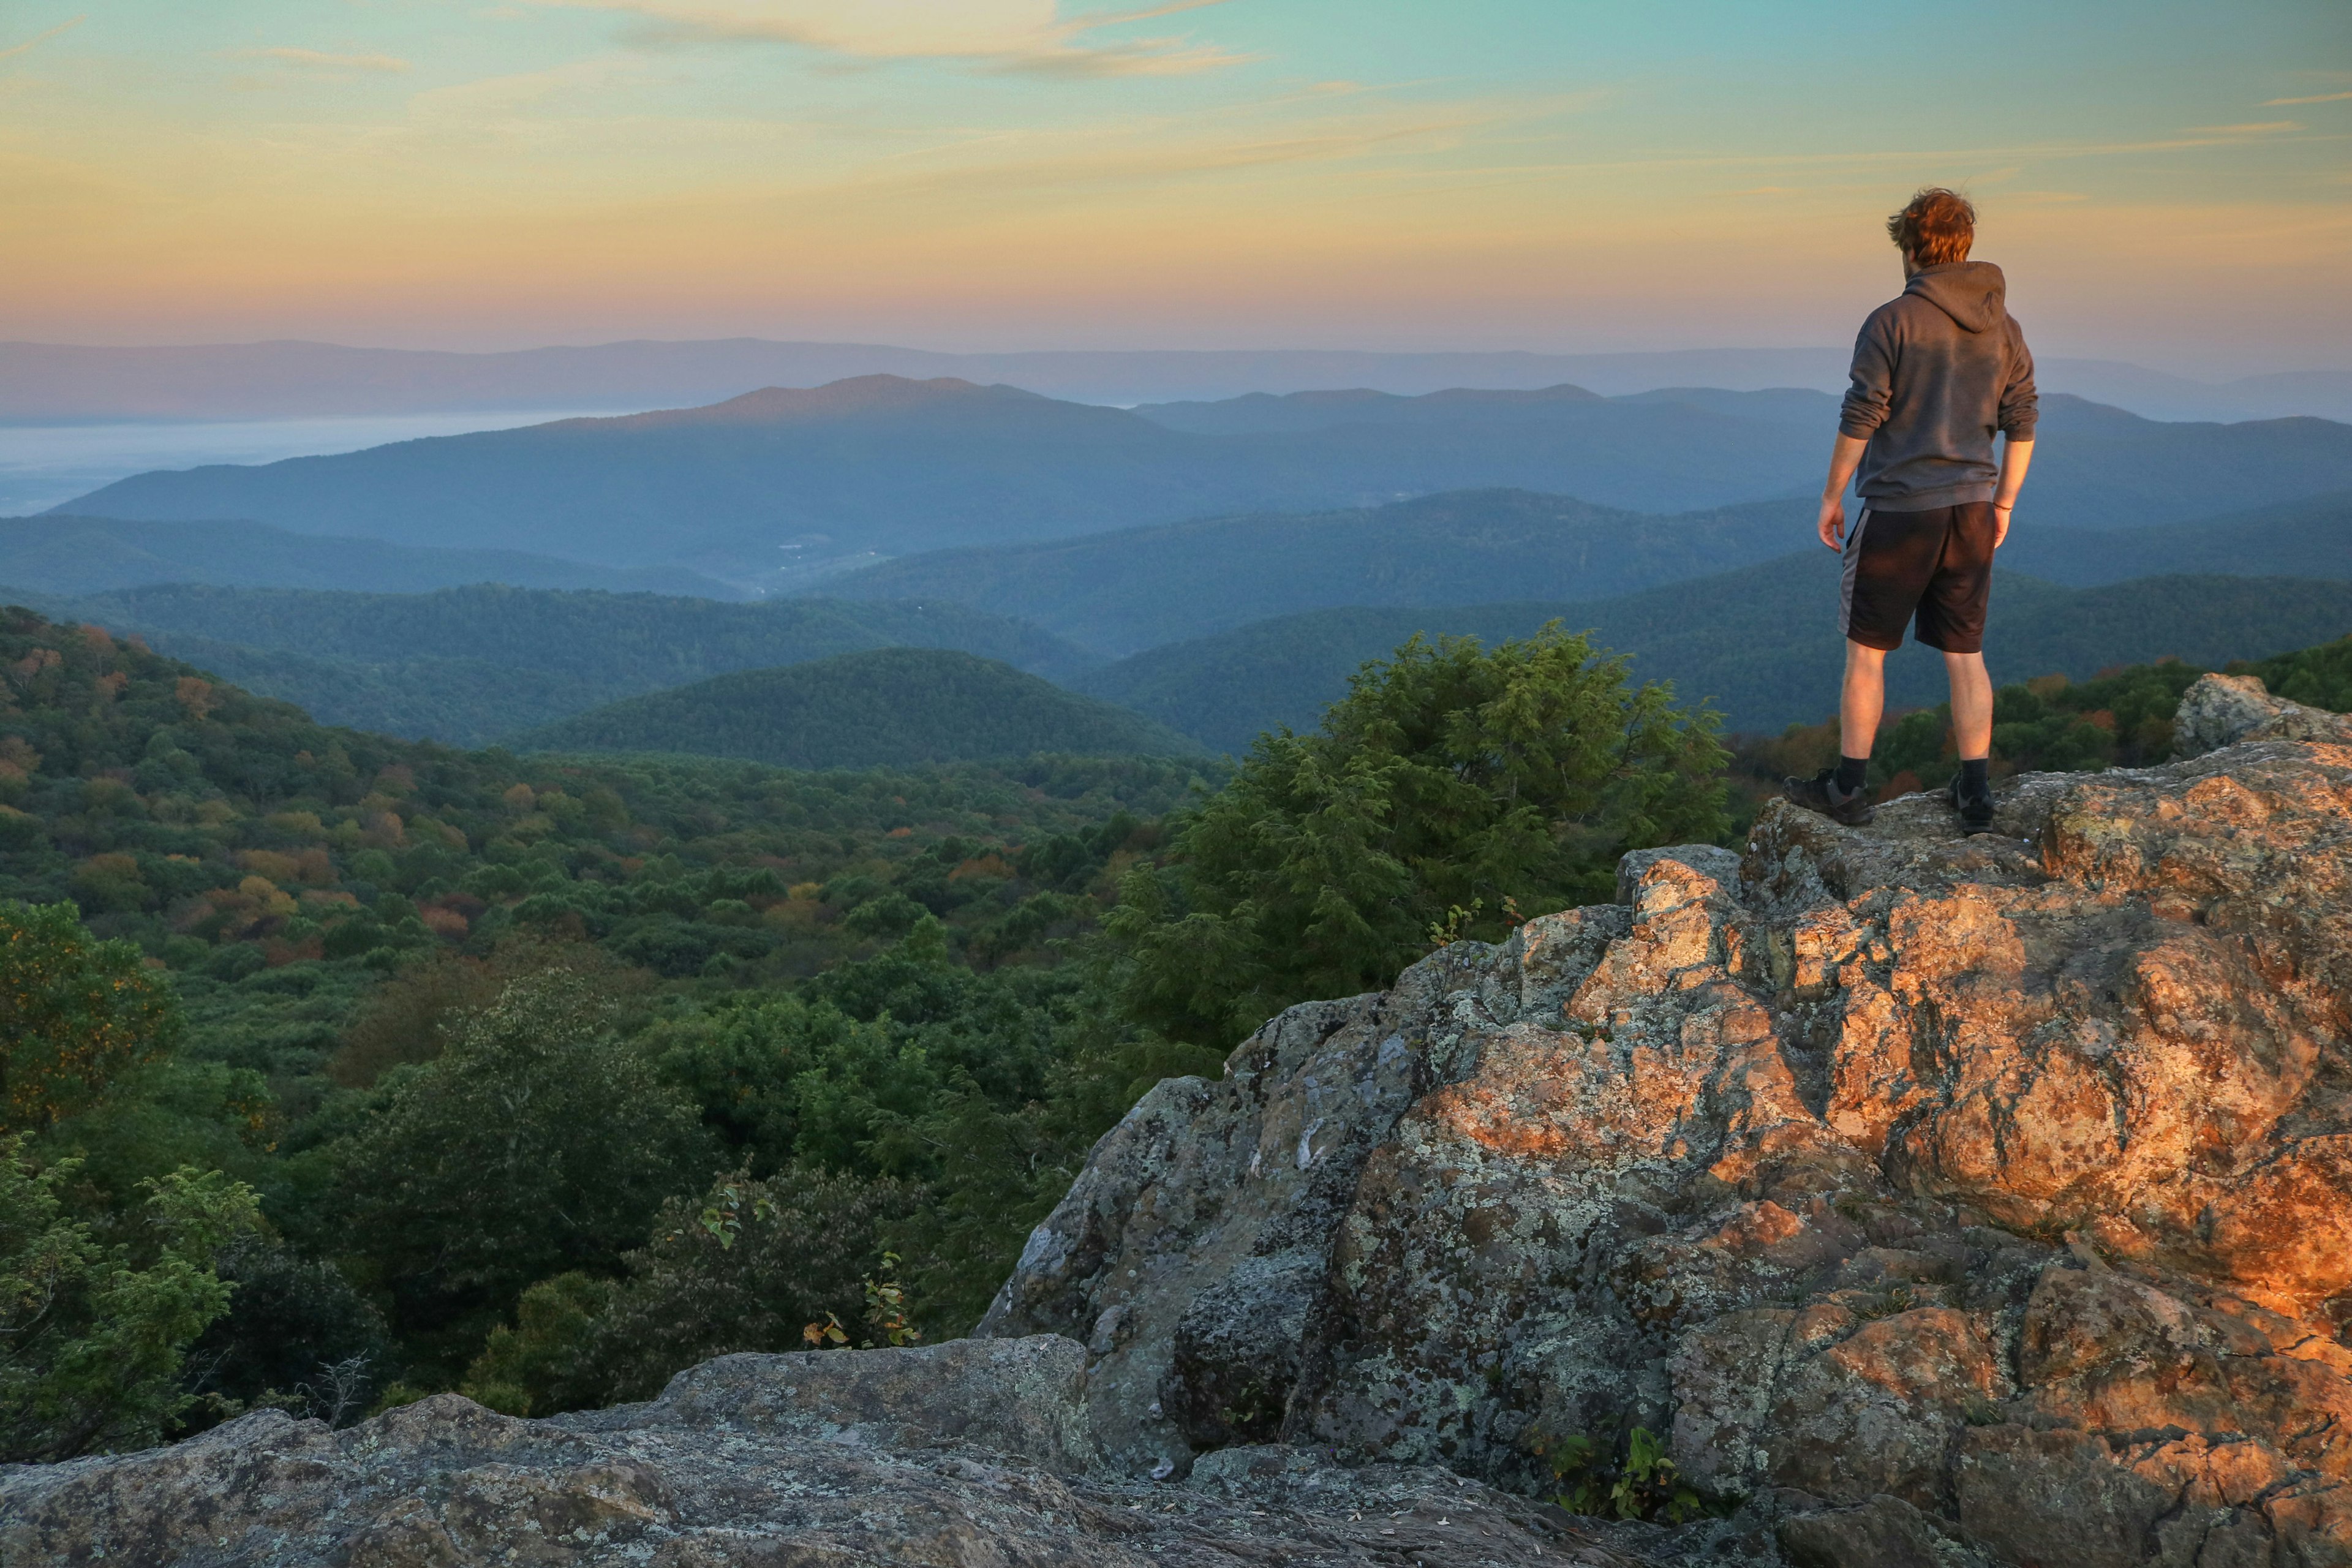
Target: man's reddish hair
(1937, 227)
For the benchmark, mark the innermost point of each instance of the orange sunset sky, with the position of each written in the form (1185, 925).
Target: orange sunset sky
(2167, 183)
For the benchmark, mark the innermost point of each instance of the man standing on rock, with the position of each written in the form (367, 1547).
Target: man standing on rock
(1937, 371)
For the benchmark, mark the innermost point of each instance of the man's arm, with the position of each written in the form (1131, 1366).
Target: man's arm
(1870, 388)
(2016, 457)
(1845, 456)
(2020, 408)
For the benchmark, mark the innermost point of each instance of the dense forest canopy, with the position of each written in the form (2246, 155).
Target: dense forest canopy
(473, 665)
(331, 915)
(892, 706)
(1728, 638)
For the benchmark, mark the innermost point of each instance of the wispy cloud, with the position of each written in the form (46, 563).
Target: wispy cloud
(1070, 167)
(38, 39)
(1023, 35)
(319, 61)
(2255, 127)
(2315, 98)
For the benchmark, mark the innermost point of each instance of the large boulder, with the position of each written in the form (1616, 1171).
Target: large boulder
(2231, 710)
(1936, 1199)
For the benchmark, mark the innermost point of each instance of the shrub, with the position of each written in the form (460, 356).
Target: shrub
(93, 1338)
(1452, 776)
(748, 1266)
(536, 1142)
(75, 1013)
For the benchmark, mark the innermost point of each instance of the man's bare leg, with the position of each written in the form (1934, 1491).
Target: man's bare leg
(1839, 793)
(1864, 697)
(1972, 735)
(1971, 704)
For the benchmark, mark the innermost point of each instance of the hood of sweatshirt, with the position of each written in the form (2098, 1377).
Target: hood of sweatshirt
(1972, 293)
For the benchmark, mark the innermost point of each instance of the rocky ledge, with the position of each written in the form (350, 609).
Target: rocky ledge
(1940, 1200)
(1937, 1201)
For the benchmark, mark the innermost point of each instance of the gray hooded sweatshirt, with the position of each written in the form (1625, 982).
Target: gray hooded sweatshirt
(1937, 370)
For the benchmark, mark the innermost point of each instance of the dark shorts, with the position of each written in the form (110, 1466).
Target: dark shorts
(1936, 564)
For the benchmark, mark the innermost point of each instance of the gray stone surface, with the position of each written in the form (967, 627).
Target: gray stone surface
(2231, 710)
(447, 1484)
(1023, 1398)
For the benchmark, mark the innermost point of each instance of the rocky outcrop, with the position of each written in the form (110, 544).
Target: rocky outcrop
(1940, 1200)
(2231, 710)
(969, 1453)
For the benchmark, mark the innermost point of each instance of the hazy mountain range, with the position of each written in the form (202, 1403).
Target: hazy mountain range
(58, 382)
(1238, 558)
(1760, 644)
(893, 707)
(63, 554)
(1122, 592)
(781, 487)
(471, 666)
(474, 665)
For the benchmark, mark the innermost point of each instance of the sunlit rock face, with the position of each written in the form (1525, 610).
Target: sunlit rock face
(1946, 1199)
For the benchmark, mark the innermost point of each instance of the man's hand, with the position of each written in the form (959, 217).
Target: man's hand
(2000, 524)
(1845, 456)
(1833, 523)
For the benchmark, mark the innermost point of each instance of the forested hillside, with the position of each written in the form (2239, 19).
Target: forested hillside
(322, 914)
(551, 1076)
(2307, 538)
(2118, 718)
(469, 665)
(1760, 644)
(1141, 588)
(68, 555)
(893, 707)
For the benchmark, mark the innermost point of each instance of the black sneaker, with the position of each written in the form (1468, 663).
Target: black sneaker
(1822, 794)
(1976, 810)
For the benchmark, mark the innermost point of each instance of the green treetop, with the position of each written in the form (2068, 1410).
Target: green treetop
(1453, 786)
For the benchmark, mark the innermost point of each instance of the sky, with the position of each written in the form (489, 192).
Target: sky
(2165, 183)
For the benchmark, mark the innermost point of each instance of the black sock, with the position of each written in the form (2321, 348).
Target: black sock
(1974, 780)
(1851, 773)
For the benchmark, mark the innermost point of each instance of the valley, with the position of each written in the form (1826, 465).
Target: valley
(583, 963)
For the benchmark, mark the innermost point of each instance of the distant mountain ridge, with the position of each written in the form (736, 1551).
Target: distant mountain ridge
(72, 555)
(263, 380)
(467, 665)
(895, 707)
(1760, 644)
(768, 486)
(1124, 592)
(780, 487)
(2307, 538)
